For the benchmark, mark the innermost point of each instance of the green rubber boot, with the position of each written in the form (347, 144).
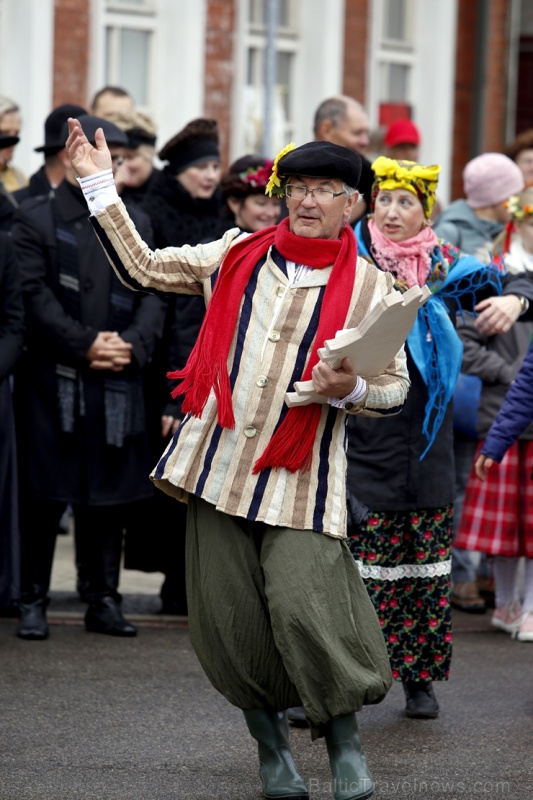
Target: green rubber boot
(277, 769)
(351, 777)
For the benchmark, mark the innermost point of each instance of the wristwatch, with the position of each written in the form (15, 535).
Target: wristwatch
(524, 304)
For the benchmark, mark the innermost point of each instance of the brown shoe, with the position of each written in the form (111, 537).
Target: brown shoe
(465, 597)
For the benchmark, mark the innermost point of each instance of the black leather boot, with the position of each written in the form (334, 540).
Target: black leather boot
(277, 769)
(421, 702)
(32, 620)
(104, 615)
(351, 777)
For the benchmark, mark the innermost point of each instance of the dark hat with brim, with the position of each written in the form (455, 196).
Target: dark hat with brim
(8, 141)
(90, 124)
(322, 160)
(53, 127)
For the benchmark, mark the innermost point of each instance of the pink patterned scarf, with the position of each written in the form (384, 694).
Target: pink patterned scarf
(409, 260)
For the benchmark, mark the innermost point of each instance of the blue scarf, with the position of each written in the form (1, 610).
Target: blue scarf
(433, 342)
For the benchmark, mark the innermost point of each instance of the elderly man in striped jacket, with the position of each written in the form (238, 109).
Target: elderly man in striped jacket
(278, 613)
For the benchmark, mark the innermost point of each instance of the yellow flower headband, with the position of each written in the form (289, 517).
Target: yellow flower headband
(274, 184)
(517, 211)
(415, 178)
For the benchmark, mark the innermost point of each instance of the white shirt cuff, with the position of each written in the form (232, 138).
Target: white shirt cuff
(99, 190)
(351, 399)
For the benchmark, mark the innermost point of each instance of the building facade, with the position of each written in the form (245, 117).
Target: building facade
(460, 69)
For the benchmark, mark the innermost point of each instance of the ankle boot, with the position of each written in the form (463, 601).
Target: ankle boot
(351, 777)
(32, 621)
(421, 702)
(277, 769)
(105, 616)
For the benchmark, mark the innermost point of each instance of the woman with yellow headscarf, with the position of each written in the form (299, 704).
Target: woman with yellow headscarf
(402, 468)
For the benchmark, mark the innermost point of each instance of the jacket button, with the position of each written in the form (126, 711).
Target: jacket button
(274, 336)
(262, 381)
(280, 291)
(250, 432)
(348, 406)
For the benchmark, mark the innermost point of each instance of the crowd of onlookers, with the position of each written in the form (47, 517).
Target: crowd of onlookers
(84, 393)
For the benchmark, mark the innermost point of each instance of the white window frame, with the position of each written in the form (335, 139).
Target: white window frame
(116, 18)
(431, 89)
(287, 41)
(394, 52)
(130, 7)
(318, 66)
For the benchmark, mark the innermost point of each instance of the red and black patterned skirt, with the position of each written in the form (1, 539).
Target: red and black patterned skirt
(404, 558)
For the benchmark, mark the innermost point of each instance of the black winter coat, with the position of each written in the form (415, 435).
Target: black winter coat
(79, 466)
(11, 339)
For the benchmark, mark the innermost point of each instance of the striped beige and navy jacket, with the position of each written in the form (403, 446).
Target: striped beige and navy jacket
(270, 348)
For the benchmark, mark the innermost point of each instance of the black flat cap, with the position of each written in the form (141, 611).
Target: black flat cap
(8, 141)
(90, 125)
(322, 160)
(53, 127)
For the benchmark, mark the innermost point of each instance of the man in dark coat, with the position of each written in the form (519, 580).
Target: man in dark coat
(52, 172)
(11, 340)
(79, 400)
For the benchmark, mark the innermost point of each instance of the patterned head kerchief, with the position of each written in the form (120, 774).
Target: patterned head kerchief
(415, 178)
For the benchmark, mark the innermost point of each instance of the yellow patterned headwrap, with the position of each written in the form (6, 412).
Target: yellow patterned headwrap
(415, 178)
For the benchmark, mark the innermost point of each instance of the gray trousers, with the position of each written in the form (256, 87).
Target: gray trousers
(280, 617)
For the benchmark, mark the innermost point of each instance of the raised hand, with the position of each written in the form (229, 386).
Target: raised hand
(86, 159)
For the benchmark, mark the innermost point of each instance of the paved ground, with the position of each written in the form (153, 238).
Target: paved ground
(90, 717)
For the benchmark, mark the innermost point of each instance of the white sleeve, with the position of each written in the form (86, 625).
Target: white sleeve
(99, 190)
(351, 399)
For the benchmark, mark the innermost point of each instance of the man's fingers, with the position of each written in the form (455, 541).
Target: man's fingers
(99, 139)
(75, 133)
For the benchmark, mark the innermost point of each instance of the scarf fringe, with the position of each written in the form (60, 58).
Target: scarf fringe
(196, 387)
(292, 445)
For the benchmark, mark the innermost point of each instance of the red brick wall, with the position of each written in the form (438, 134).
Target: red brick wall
(356, 31)
(71, 51)
(219, 68)
(496, 92)
(495, 86)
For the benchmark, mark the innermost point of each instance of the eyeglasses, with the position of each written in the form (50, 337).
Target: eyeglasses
(117, 161)
(318, 195)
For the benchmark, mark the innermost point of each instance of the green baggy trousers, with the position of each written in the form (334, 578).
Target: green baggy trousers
(280, 617)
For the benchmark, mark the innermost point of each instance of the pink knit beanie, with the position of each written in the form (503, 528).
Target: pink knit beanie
(490, 179)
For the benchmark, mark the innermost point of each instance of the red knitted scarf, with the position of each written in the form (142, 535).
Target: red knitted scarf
(292, 443)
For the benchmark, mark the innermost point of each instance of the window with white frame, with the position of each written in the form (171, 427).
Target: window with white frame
(395, 50)
(286, 46)
(129, 41)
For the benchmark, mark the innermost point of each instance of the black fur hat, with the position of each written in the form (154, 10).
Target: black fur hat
(197, 141)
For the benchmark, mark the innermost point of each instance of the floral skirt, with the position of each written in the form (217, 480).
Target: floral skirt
(404, 559)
